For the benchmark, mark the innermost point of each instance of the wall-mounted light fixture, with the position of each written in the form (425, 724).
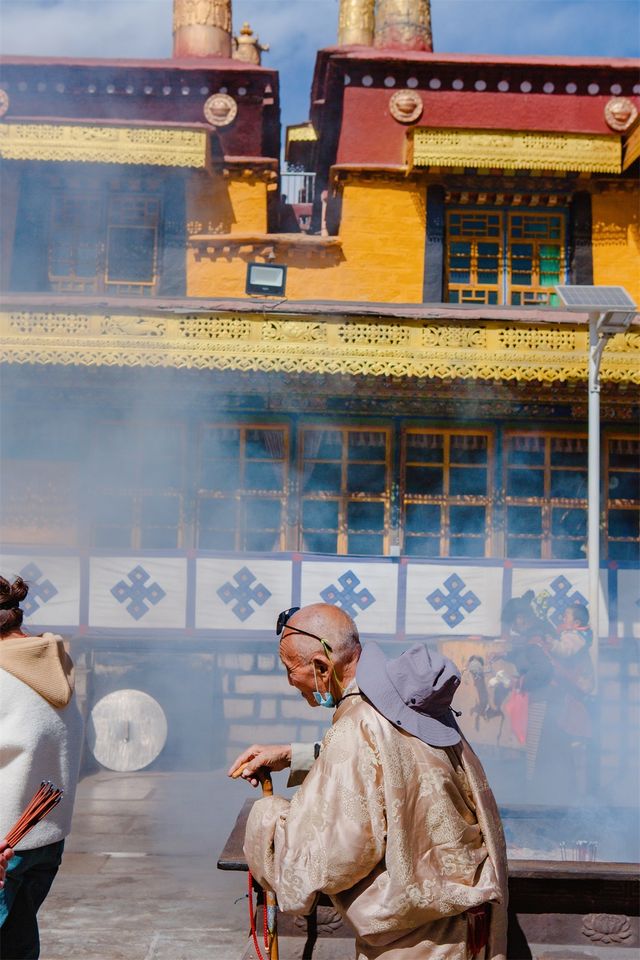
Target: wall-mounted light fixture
(268, 279)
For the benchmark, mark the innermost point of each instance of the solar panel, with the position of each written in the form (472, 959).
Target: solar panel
(596, 298)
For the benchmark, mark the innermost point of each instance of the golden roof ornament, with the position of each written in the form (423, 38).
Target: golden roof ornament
(4, 102)
(356, 22)
(403, 25)
(202, 28)
(247, 46)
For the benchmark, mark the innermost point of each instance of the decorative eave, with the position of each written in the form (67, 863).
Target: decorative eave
(631, 148)
(262, 245)
(432, 342)
(147, 145)
(508, 150)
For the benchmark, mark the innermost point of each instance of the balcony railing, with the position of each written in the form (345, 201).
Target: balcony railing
(298, 187)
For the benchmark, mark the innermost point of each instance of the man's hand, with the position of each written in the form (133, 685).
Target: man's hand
(5, 855)
(270, 756)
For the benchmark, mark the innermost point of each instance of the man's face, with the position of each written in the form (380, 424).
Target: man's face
(300, 673)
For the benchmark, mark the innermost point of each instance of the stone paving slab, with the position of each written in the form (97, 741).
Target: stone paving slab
(139, 879)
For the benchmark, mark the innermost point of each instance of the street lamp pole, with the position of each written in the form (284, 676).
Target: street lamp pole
(610, 310)
(597, 343)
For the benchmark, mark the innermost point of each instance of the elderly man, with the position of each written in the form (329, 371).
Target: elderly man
(395, 821)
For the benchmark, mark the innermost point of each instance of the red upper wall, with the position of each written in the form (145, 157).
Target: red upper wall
(473, 92)
(148, 91)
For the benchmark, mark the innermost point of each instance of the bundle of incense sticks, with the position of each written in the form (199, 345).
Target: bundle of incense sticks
(42, 803)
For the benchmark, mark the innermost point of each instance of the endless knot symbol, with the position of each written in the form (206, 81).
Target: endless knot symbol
(37, 591)
(457, 605)
(347, 598)
(244, 594)
(561, 598)
(138, 593)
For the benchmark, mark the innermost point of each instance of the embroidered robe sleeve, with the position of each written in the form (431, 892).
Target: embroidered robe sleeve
(333, 832)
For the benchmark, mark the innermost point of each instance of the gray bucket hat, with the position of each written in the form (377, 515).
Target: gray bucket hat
(413, 691)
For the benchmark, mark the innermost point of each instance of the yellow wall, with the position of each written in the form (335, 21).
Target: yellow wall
(216, 204)
(382, 232)
(616, 240)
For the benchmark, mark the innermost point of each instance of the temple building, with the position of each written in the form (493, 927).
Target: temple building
(403, 433)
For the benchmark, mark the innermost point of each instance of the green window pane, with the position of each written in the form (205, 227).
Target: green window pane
(365, 516)
(427, 481)
(323, 476)
(423, 518)
(466, 547)
(217, 515)
(468, 481)
(524, 521)
(467, 520)
(368, 544)
(568, 484)
(422, 546)
(525, 483)
(625, 524)
(320, 514)
(320, 542)
(263, 514)
(524, 549)
(366, 478)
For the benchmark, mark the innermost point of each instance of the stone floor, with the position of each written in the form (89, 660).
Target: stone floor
(139, 878)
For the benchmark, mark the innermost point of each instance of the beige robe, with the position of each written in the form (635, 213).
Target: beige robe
(403, 838)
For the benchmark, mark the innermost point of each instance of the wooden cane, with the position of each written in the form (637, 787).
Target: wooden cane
(271, 905)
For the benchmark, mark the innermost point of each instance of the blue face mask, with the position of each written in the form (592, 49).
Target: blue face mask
(322, 699)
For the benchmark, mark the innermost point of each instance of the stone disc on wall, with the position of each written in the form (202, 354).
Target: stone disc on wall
(127, 730)
(220, 110)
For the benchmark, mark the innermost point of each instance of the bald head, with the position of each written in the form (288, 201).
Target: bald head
(332, 624)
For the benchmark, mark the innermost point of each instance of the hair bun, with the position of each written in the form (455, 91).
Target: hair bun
(12, 594)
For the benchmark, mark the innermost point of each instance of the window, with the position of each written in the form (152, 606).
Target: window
(474, 263)
(103, 240)
(74, 243)
(503, 257)
(446, 484)
(622, 476)
(137, 486)
(345, 490)
(536, 257)
(546, 496)
(132, 239)
(242, 487)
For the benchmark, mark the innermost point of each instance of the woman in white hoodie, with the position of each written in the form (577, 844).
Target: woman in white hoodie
(40, 739)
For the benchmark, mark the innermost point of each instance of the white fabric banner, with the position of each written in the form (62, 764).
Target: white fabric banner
(557, 588)
(138, 592)
(241, 593)
(368, 592)
(453, 600)
(54, 588)
(628, 603)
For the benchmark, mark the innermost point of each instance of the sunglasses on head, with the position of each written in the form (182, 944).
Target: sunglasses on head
(283, 619)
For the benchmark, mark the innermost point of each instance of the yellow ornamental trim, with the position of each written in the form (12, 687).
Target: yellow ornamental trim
(149, 146)
(302, 133)
(632, 148)
(412, 348)
(506, 150)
